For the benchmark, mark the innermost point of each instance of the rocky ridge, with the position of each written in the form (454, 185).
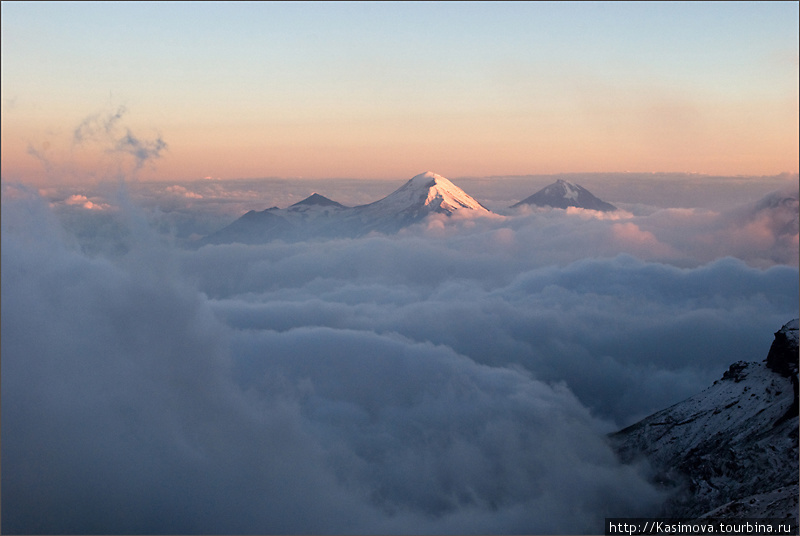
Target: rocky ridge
(731, 450)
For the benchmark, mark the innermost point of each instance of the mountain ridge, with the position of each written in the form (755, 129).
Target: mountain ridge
(731, 449)
(319, 217)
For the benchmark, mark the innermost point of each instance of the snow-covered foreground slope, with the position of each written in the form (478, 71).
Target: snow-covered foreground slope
(731, 450)
(320, 217)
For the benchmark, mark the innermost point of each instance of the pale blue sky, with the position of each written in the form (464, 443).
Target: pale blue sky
(487, 85)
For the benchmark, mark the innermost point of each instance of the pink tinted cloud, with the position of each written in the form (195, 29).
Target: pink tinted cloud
(631, 238)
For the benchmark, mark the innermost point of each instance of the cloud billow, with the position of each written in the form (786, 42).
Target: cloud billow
(444, 380)
(129, 407)
(627, 336)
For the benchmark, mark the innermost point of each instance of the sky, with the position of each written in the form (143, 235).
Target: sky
(179, 91)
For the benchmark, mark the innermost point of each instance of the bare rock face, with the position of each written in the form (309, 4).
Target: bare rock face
(731, 450)
(783, 356)
(783, 359)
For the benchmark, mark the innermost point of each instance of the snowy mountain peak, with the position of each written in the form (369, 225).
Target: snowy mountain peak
(566, 189)
(429, 178)
(563, 194)
(319, 217)
(426, 193)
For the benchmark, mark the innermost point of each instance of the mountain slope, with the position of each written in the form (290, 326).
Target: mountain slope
(423, 195)
(563, 194)
(733, 448)
(305, 218)
(320, 217)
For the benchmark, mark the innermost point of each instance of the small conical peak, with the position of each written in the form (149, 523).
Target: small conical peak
(563, 194)
(565, 188)
(316, 199)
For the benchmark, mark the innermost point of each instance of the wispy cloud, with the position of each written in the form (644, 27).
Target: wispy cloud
(106, 130)
(98, 125)
(141, 150)
(41, 156)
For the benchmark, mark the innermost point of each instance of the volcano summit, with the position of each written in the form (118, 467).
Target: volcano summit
(320, 217)
(563, 194)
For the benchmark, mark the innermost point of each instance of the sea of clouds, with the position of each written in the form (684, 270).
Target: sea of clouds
(458, 377)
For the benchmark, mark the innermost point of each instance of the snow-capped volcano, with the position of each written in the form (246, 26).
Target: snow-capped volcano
(320, 217)
(431, 191)
(731, 450)
(424, 194)
(563, 194)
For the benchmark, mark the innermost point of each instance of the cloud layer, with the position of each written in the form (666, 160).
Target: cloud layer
(450, 379)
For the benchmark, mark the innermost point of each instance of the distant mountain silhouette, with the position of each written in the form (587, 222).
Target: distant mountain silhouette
(563, 194)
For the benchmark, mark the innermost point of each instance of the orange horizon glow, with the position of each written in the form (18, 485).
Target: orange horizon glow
(230, 153)
(463, 101)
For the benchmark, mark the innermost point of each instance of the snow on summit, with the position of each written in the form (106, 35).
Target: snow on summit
(563, 194)
(426, 179)
(320, 217)
(566, 189)
(431, 191)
